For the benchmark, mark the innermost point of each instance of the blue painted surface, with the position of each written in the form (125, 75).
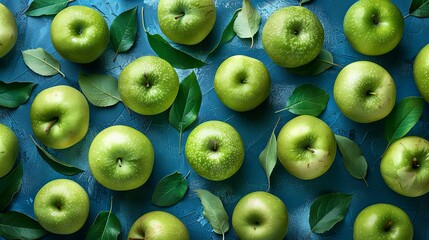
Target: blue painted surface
(255, 126)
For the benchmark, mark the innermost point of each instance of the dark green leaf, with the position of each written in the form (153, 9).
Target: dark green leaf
(13, 94)
(246, 25)
(327, 210)
(403, 117)
(214, 211)
(105, 227)
(41, 62)
(419, 8)
(268, 156)
(101, 90)
(353, 159)
(307, 99)
(186, 106)
(46, 7)
(321, 63)
(15, 225)
(123, 31)
(228, 33)
(10, 185)
(170, 190)
(57, 165)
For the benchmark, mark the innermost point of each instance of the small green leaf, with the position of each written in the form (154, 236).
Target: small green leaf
(41, 62)
(228, 33)
(57, 165)
(321, 63)
(186, 106)
(246, 25)
(16, 225)
(14, 94)
(123, 31)
(105, 227)
(353, 159)
(403, 117)
(10, 185)
(419, 8)
(101, 90)
(327, 210)
(214, 211)
(46, 7)
(307, 99)
(268, 156)
(175, 57)
(170, 190)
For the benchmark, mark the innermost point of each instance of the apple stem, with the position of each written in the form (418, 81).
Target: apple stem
(388, 226)
(215, 145)
(179, 16)
(370, 93)
(120, 162)
(51, 124)
(147, 82)
(374, 19)
(310, 149)
(415, 163)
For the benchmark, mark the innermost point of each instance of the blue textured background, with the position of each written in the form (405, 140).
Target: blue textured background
(254, 126)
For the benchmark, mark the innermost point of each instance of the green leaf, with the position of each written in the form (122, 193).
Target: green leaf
(403, 117)
(419, 8)
(101, 90)
(14, 94)
(214, 211)
(123, 31)
(16, 225)
(105, 227)
(186, 106)
(353, 159)
(46, 7)
(41, 62)
(268, 156)
(327, 210)
(228, 33)
(321, 63)
(307, 99)
(175, 57)
(246, 25)
(170, 190)
(57, 165)
(10, 185)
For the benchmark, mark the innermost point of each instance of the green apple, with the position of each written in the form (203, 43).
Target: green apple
(8, 30)
(214, 150)
(186, 21)
(293, 36)
(382, 221)
(373, 27)
(9, 148)
(121, 158)
(260, 216)
(59, 116)
(242, 83)
(148, 85)
(364, 92)
(405, 166)
(61, 206)
(421, 72)
(306, 147)
(158, 225)
(80, 34)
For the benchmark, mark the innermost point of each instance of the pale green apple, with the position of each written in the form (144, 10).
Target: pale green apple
(364, 92)
(260, 216)
(148, 85)
(215, 150)
(421, 72)
(186, 21)
(306, 147)
(293, 36)
(242, 83)
(59, 116)
(61, 206)
(8, 30)
(80, 34)
(158, 225)
(121, 158)
(9, 148)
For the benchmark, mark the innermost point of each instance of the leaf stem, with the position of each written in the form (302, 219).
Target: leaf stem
(223, 236)
(308, 235)
(366, 183)
(189, 172)
(111, 203)
(70, 1)
(180, 142)
(144, 28)
(251, 45)
(407, 16)
(281, 110)
(332, 63)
